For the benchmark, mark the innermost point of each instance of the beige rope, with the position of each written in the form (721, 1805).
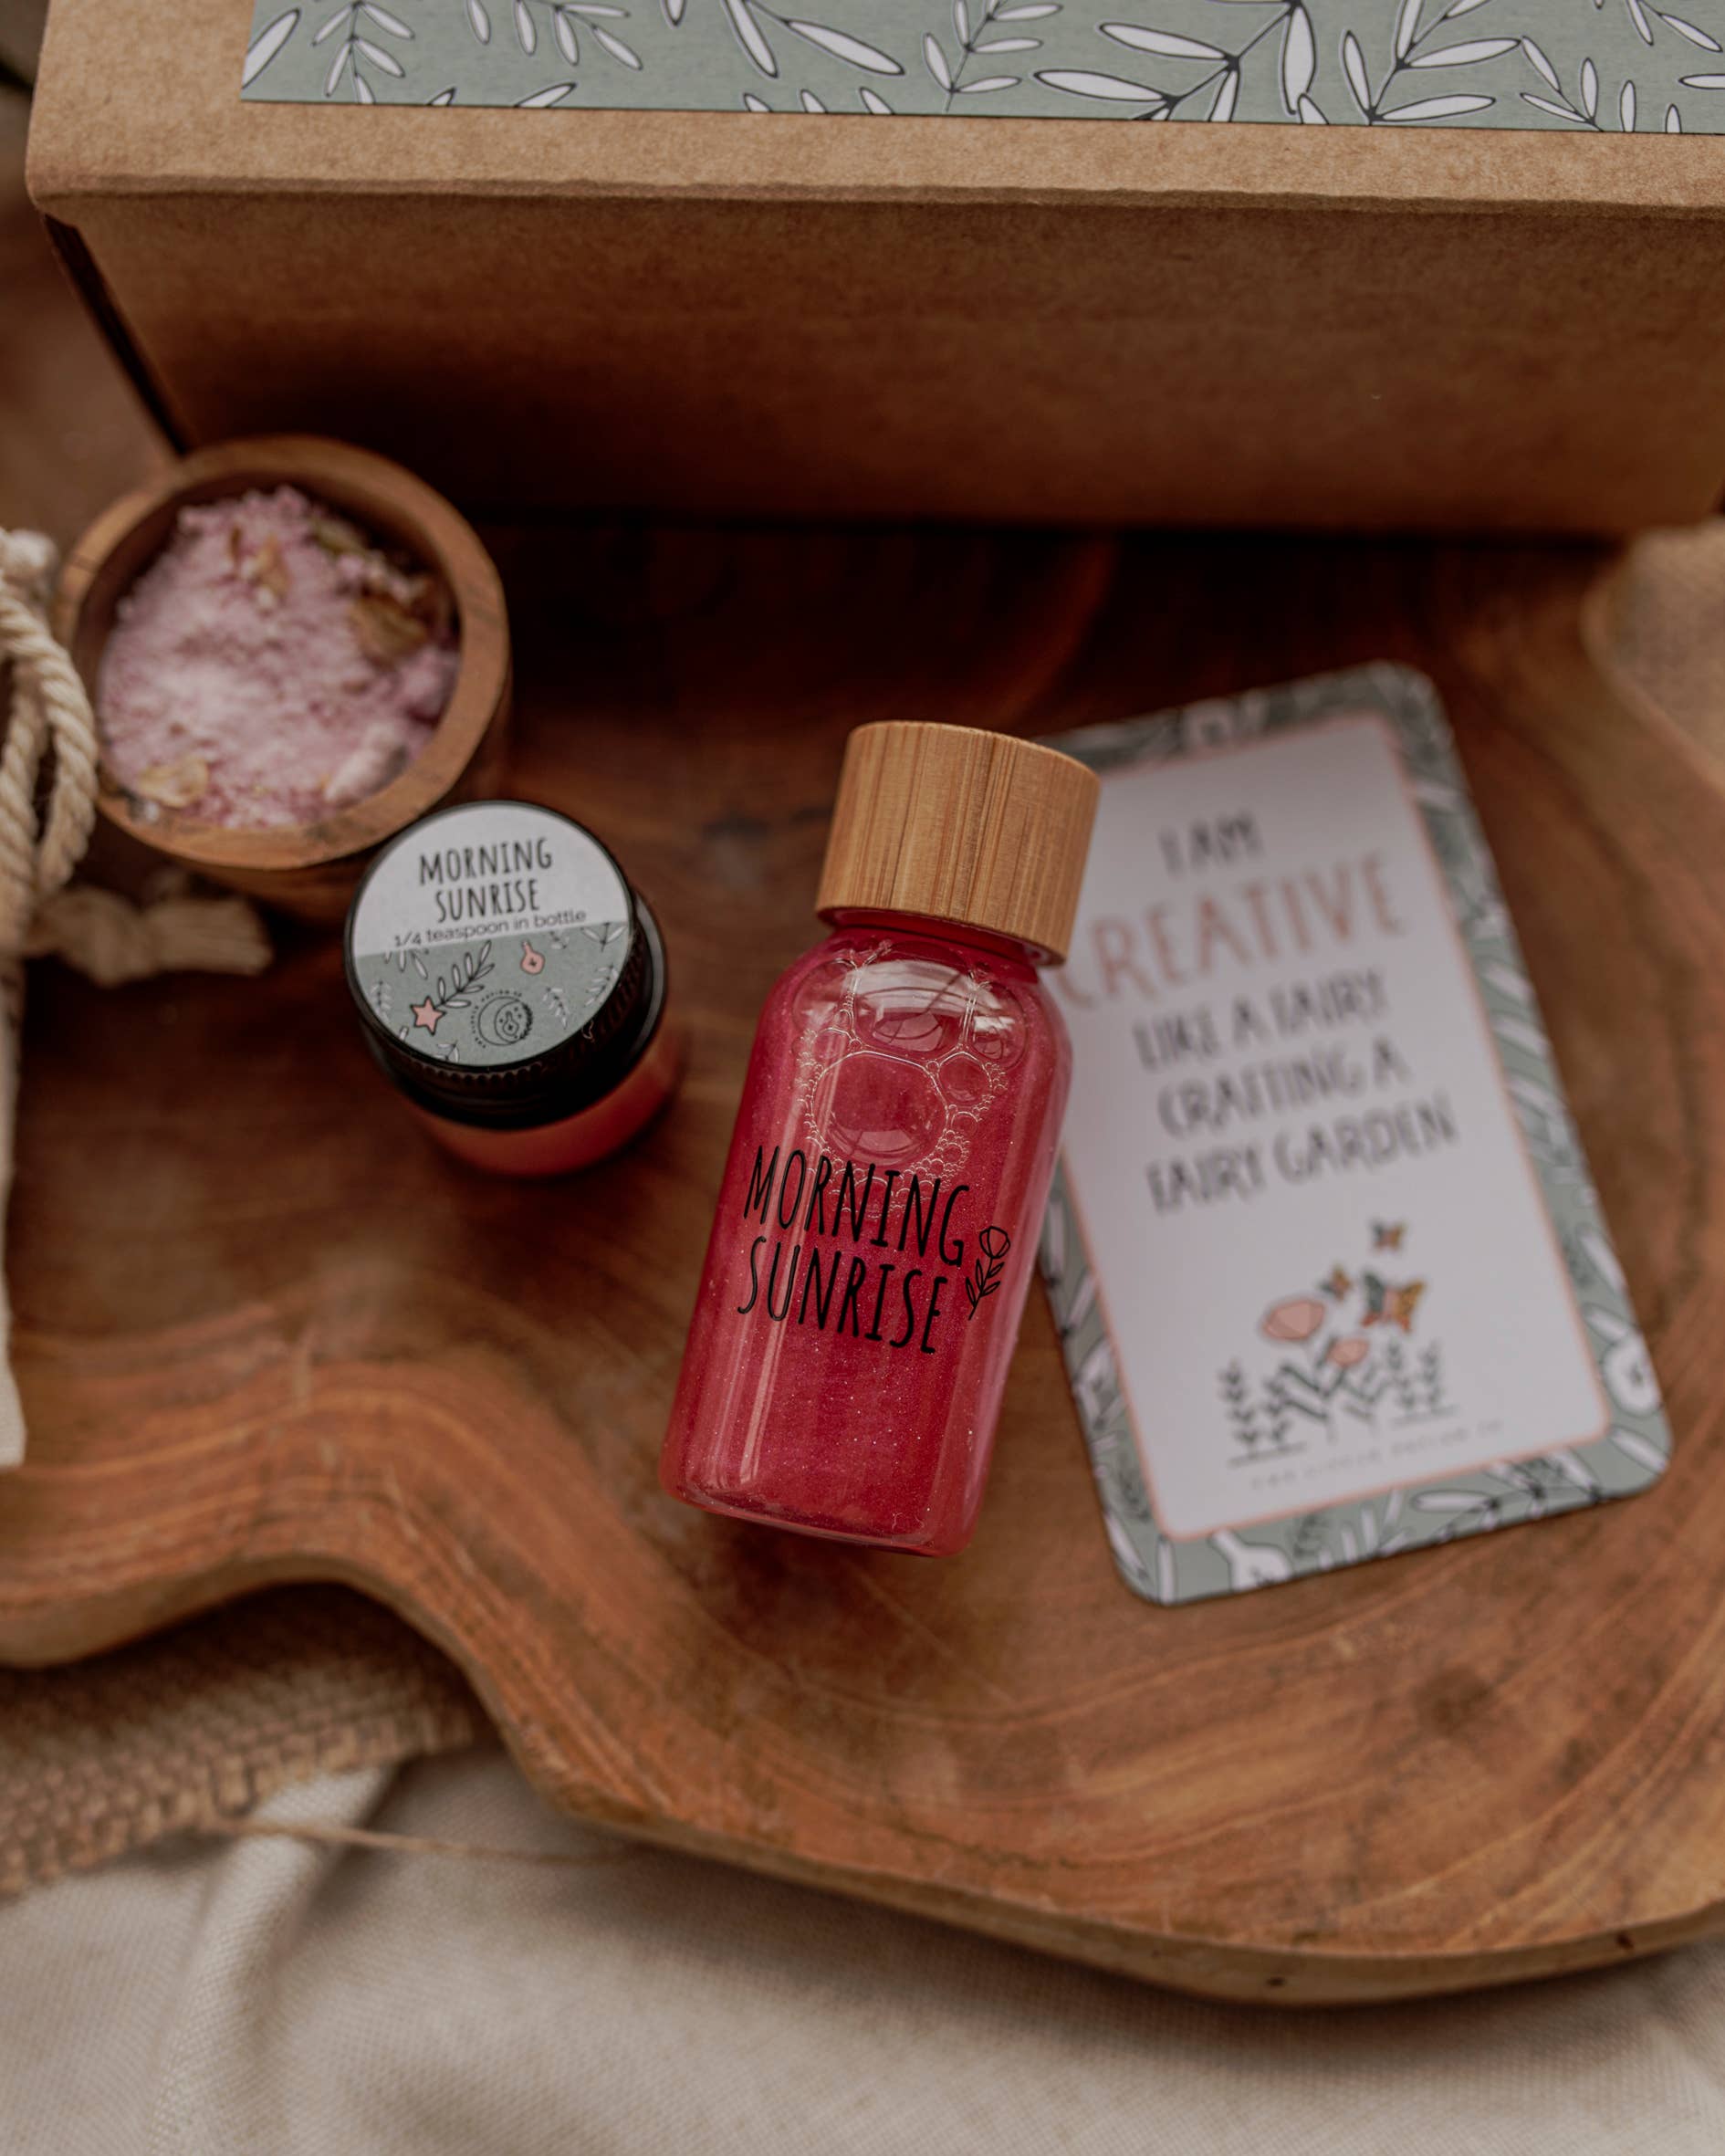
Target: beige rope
(47, 805)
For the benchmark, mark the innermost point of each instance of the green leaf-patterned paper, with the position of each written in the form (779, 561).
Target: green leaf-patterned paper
(1576, 67)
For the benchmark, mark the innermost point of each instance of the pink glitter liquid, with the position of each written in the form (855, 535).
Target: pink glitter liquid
(874, 1241)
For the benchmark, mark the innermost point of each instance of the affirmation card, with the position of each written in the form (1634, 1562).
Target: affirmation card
(1327, 1263)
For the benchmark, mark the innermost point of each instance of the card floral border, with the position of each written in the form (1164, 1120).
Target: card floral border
(1629, 1457)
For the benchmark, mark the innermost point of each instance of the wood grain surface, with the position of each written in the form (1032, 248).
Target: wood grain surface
(266, 1333)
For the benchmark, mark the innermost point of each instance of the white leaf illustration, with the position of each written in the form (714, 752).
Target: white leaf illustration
(1446, 1501)
(1688, 30)
(479, 21)
(1125, 1556)
(1299, 57)
(392, 24)
(1638, 17)
(1518, 1033)
(1179, 48)
(1028, 14)
(615, 47)
(810, 103)
(338, 68)
(1556, 112)
(843, 47)
(1083, 1302)
(1627, 108)
(1589, 89)
(1080, 82)
(1538, 58)
(1701, 82)
(961, 22)
(1642, 1451)
(1438, 108)
(338, 21)
(553, 94)
(1354, 67)
(1459, 7)
(1097, 1379)
(1464, 56)
(563, 28)
(378, 56)
(362, 89)
(985, 82)
(267, 43)
(1673, 121)
(1250, 1564)
(1009, 45)
(1226, 95)
(1310, 115)
(936, 60)
(1406, 27)
(673, 11)
(527, 35)
(444, 97)
(873, 102)
(748, 35)
(753, 104)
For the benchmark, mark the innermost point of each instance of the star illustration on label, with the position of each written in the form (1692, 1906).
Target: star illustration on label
(426, 1014)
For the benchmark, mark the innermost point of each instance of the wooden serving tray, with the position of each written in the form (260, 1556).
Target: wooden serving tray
(267, 1333)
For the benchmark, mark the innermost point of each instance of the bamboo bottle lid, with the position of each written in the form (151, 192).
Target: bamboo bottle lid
(956, 824)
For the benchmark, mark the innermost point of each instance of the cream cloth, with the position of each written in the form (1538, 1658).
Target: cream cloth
(279, 2000)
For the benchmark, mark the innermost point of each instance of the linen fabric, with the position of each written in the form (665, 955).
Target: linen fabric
(281, 1999)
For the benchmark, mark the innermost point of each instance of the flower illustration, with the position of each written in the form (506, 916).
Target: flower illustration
(1346, 1353)
(1297, 1318)
(984, 1274)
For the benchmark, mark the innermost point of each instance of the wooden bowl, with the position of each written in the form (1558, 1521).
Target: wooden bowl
(306, 869)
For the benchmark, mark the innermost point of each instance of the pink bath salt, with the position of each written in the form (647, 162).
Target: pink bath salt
(269, 667)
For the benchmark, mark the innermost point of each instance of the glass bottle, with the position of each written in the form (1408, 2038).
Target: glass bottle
(878, 1221)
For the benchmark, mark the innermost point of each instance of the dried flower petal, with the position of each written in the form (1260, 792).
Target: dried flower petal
(387, 633)
(335, 535)
(175, 785)
(268, 572)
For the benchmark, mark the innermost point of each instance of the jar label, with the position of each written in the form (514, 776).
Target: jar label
(488, 933)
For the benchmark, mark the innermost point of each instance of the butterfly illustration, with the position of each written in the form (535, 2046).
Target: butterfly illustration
(1385, 1305)
(1338, 1284)
(1387, 1235)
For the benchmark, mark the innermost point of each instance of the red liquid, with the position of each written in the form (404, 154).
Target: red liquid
(873, 1241)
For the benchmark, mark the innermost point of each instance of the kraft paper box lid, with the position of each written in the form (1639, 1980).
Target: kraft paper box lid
(143, 98)
(829, 314)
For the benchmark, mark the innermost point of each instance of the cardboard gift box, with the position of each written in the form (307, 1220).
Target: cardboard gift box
(836, 314)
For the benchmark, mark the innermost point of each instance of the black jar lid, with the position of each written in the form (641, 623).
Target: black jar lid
(504, 971)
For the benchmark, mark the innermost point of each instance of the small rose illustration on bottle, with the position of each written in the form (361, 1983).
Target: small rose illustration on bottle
(532, 961)
(984, 1274)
